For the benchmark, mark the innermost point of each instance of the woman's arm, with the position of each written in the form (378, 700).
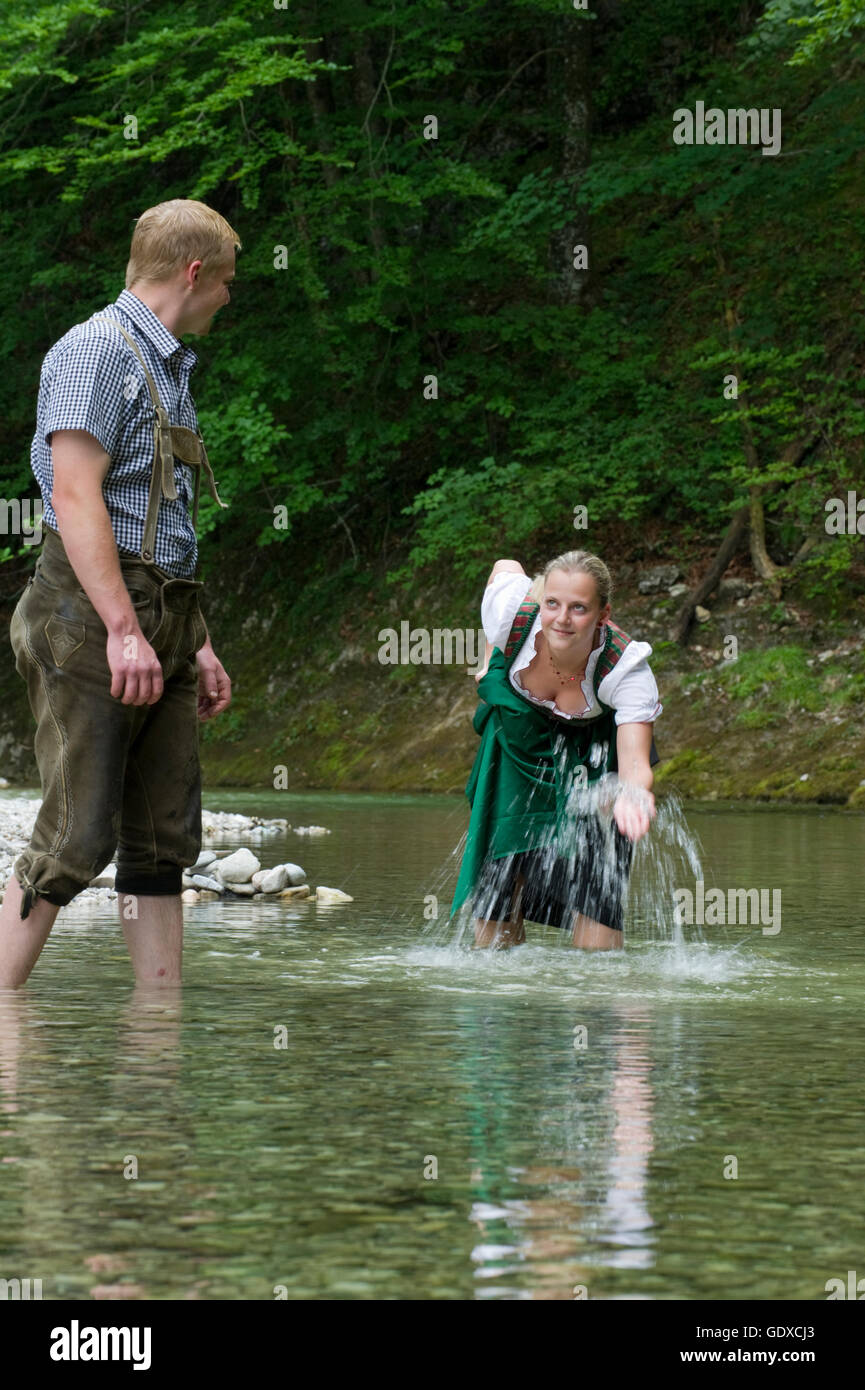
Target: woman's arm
(500, 567)
(505, 566)
(635, 805)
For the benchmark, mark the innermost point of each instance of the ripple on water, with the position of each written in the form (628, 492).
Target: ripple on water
(663, 971)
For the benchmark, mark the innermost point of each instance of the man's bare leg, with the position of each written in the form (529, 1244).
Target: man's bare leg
(22, 939)
(154, 936)
(590, 935)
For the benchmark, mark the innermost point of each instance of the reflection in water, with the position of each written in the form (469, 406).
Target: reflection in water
(595, 1150)
(304, 1167)
(112, 1124)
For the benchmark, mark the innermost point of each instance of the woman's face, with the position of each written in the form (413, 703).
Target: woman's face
(570, 611)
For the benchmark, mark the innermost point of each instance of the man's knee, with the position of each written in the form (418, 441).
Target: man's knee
(166, 882)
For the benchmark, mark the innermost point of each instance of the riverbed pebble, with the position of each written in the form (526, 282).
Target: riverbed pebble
(332, 895)
(215, 873)
(237, 867)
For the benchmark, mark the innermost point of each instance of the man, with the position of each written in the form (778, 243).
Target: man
(108, 633)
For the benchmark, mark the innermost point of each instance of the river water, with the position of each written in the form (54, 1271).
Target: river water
(345, 1104)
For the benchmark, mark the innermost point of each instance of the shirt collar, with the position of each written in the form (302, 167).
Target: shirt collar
(161, 337)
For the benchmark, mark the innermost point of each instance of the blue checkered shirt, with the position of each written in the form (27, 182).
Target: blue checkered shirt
(91, 380)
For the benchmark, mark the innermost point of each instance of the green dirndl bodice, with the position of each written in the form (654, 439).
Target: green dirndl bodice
(529, 762)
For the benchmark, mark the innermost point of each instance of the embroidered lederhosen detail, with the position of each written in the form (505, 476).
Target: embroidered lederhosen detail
(168, 440)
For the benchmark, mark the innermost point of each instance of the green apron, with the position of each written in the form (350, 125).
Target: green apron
(529, 761)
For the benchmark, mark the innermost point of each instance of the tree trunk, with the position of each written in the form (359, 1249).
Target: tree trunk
(366, 91)
(573, 33)
(733, 537)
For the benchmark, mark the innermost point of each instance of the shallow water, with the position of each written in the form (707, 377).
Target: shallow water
(579, 1109)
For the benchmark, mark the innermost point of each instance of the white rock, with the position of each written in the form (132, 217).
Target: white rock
(213, 885)
(237, 868)
(300, 892)
(311, 830)
(294, 874)
(332, 895)
(205, 858)
(271, 880)
(106, 878)
(189, 895)
(243, 890)
(702, 614)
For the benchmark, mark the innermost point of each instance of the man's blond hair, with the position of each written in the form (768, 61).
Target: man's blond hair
(170, 235)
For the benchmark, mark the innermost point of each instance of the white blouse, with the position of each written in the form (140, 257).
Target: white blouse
(629, 688)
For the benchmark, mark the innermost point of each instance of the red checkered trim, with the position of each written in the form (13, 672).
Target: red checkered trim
(614, 646)
(521, 626)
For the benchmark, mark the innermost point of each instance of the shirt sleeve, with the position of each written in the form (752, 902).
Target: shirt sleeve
(85, 392)
(633, 693)
(501, 600)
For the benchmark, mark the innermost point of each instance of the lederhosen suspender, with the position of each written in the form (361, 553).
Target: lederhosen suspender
(168, 440)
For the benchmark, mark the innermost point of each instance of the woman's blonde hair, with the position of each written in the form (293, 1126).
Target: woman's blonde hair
(576, 562)
(170, 235)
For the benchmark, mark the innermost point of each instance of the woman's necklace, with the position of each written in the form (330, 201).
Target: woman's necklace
(566, 680)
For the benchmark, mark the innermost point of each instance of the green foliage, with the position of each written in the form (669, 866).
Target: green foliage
(823, 24)
(409, 258)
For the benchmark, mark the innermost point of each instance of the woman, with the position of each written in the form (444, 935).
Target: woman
(566, 697)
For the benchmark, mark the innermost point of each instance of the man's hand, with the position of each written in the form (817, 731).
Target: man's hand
(136, 674)
(214, 687)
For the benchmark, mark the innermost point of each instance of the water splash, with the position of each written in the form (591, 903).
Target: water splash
(585, 861)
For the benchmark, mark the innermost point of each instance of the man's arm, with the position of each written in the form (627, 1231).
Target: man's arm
(80, 465)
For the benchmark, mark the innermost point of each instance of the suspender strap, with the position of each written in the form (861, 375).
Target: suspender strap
(614, 647)
(615, 642)
(520, 628)
(168, 440)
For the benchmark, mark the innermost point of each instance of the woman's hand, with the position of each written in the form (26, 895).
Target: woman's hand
(635, 806)
(634, 811)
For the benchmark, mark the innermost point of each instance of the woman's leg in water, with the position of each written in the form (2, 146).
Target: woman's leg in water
(594, 936)
(501, 935)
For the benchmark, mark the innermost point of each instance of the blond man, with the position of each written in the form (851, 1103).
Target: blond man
(108, 633)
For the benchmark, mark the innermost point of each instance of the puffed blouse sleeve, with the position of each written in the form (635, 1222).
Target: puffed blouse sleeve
(501, 600)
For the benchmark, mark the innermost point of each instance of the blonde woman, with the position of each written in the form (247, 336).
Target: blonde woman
(566, 697)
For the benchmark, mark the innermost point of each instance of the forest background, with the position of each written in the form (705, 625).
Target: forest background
(414, 378)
